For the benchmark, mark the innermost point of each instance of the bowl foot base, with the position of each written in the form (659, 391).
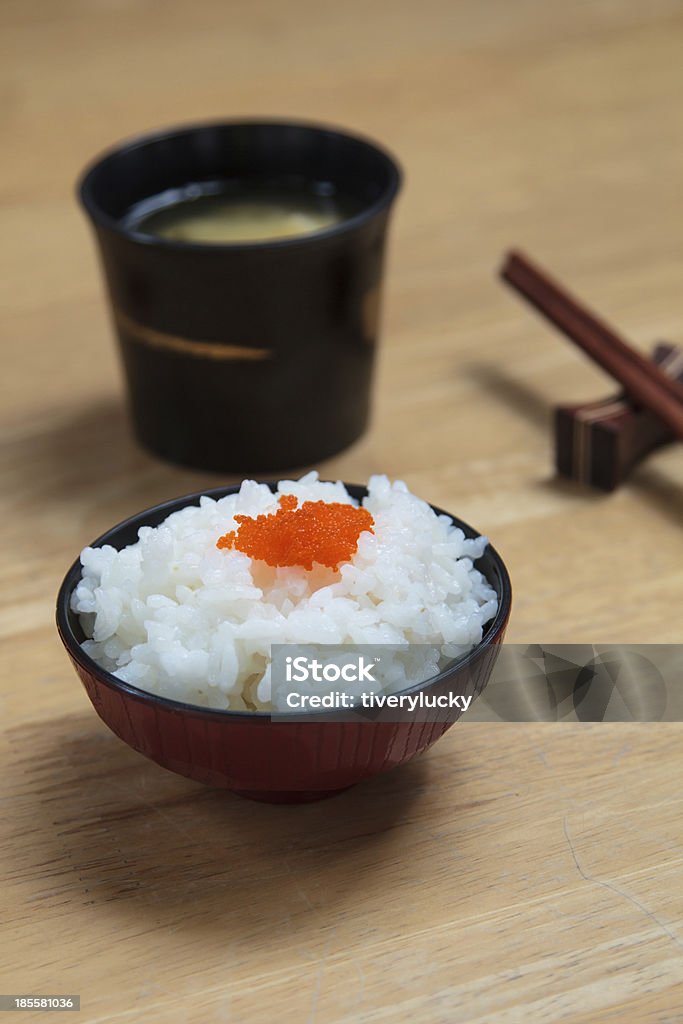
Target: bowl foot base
(288, 796)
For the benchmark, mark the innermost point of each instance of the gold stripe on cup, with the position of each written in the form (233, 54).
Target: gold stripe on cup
(187, 346)
(370, 308)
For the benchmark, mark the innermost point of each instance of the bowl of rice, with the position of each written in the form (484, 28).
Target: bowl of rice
(171, 619)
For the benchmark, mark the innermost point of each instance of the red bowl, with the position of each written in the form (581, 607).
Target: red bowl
(276, 761)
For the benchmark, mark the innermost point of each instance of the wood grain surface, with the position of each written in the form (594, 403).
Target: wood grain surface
(515, 872)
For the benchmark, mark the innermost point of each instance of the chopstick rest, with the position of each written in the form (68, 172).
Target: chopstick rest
(599, 443)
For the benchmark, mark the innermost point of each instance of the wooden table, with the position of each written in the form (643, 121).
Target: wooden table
(516, 872)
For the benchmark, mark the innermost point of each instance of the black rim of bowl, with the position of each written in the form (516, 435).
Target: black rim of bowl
(70, 640)
(84, 187)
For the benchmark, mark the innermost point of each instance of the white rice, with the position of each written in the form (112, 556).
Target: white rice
(174, 615)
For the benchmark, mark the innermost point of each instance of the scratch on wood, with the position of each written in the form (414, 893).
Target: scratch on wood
(615, 889)
(317, 985)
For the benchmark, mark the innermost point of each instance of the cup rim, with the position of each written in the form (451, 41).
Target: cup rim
(84, 186)
(73, 646)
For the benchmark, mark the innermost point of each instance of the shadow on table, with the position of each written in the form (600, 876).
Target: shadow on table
(115, 832)
(662, 493)
(86, 472)
(512, 391)
(92, 447)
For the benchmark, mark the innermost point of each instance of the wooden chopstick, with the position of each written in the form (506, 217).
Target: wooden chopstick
(641, 379)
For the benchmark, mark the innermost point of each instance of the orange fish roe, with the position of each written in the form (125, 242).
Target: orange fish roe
(319, 531)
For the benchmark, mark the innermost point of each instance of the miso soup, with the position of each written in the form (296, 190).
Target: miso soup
(243, 213)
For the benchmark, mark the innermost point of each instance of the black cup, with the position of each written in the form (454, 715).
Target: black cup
(247, 356)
